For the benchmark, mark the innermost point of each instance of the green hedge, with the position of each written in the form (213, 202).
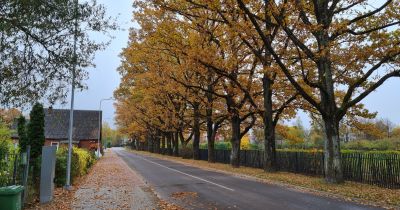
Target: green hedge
(225, 145)
(344, 151)
(81, 161)
(367, 145)
(390, 144)
(382, 144)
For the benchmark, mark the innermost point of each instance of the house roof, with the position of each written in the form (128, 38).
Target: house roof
(85, 126)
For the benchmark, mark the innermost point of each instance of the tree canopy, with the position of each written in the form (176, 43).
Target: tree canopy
(36, 47)
(256, 63)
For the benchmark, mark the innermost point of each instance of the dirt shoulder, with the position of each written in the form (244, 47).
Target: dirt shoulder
(350, 191)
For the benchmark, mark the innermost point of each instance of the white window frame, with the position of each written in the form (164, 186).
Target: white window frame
(55, 143)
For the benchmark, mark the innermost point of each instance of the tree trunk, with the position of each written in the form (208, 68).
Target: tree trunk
(211, 150)
(144, 145)
(196, 130)
(157, 143)
(163, 144)
(149, 143)
(333, 163)
(270, 163)
(169, 142)
(209, 110)
(136, 144)
(176, 144)
(235, 141)
(210, 138)
(332, 155)
(182, 139)
(133, 144)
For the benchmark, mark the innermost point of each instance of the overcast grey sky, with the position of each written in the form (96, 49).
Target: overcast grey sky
(104, 78)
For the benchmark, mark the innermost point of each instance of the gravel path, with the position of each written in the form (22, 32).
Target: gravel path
(111, 184)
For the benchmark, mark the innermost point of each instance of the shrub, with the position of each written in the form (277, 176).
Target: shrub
(245, 142)
(7, 154)
(344, 151)
(6, 147)
(6, 164)
(81, 161)
(383, 144)
(36, 130)
(256, 147)
(21, 129)
(223, 145)
(203, 146)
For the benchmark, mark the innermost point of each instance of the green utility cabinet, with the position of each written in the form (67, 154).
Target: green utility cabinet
(10, 197)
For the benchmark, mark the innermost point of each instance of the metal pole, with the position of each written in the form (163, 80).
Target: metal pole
(71, 112)
(26, 174)
(98, 134)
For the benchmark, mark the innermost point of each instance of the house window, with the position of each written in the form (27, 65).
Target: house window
(55, 144)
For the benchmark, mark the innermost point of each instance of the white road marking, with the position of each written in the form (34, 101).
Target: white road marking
(195, 177)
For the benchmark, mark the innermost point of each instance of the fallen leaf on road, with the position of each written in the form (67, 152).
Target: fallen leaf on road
(181, 195)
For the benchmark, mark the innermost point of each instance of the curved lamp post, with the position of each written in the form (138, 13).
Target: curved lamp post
(71, 112)
(98, 134)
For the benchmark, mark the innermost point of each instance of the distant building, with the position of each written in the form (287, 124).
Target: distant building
(85, 128)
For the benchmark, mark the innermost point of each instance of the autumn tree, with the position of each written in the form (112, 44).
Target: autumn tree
(168, 37)
(8, 116)
(363, 32)
(111, 136)
(278, 95)
(276, 49)
(159, 105)
(396, 132)
(227, 57)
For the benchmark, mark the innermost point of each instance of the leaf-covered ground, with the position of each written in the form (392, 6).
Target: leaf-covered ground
(110, 184)
(351, 191)
(113, 185)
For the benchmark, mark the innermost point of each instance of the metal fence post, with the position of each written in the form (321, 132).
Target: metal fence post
(26, 174)
(15, 168)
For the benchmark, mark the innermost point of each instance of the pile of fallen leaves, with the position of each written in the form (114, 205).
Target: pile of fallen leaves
(164, 205)
(62, 200)
(182, 195)
(351, 191)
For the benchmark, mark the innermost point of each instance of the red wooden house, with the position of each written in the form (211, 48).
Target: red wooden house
(85, 127)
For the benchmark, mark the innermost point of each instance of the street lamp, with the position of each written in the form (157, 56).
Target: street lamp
(98, 135)
(71, 112)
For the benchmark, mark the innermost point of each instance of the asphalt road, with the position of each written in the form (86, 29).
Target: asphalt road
(221, 191)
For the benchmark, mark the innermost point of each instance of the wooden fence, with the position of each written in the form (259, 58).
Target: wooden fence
(371, 168)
